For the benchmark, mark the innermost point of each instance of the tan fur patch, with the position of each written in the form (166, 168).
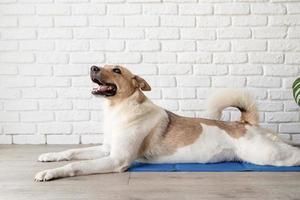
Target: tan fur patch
(234, 129)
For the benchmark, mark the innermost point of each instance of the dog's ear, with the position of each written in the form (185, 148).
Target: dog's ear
(140, 83)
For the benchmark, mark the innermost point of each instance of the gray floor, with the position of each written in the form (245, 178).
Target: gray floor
(18, 166)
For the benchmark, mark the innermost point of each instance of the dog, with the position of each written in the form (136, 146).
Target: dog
(137, 129)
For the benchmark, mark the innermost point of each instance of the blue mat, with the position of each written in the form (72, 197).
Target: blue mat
(211, 167)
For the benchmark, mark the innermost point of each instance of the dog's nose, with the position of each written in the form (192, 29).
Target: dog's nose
(95, 69)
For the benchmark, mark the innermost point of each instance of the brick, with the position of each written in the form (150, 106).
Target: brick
(17, 9)
(284, 45)
(281, 94)
(90, 33)
(269, 32)
(162, 33)
(175, 69)
(245, 70)
(282, 117)
(109, 21)
(195, 9)
(196, 33)
(8, 21)
(124, 9)
(210, 69)
(293, 32)
(35, 69)
(141, 21)
(37, 45)
(55, 104)
(34, 21)
(179, 93)
(71, 70)
(55, 33)
(292, 58)
(193, 81)
(5, 139)
(281, 70)
(123, 57)
(54, 128)
(8, 69)
(70, 21)
(160, 9)
(229, 58)
(194, 58)
(268, 9)
(6, 57)
(72, 116)
(72, 45)
(143, 45)
(287, 20)
(178, 46)
(143, 69)
(29, 139)
(234, 33)
(75, 93)
(87, 104)
(192, 105)
(213, 46)
(293, 8)
(269, 106)
(232, 9)
(249, 45)
(9, 116)
(87, 127)
(18, 34)
(37, 93)
(291, 106)
(249, 20)
(289, 128)
(20, 105)
(8, 46)
(231, 82)
(37, 116)
(92, 139)
(213, 21)
(88, 9)
(126, 33)
(63, 139)
(86, 57)
(159, 57)
(162, 81)
(267, 82)
(9, 93)
(178, 21)
(81, 82)
(107, 45)
(52, 58)
(53, 9)
(266, 58)
(53, 82)
(155, 93)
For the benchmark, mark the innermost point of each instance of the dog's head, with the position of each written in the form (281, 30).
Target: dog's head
(115, 81)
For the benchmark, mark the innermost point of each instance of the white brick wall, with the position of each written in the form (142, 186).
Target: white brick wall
(184, 49)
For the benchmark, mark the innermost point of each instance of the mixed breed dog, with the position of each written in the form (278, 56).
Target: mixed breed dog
(137, 129)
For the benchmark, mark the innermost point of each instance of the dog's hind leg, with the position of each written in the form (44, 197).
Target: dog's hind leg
(76, 154)
(259, 149)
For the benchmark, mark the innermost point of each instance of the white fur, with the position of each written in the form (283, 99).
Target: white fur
(128, 123)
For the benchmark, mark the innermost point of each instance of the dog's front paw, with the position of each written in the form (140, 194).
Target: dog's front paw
(45, 175)
(49, 157)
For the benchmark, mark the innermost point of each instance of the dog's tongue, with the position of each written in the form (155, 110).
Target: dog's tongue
(103, 88)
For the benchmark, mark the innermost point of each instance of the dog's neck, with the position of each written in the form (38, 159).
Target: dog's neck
(136, 97)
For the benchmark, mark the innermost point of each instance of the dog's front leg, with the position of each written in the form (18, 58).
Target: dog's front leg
(76, 154)
(103, 165)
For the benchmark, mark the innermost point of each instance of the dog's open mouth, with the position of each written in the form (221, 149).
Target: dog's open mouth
(107, 89)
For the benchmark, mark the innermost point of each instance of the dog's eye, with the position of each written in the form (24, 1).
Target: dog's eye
(117, 70)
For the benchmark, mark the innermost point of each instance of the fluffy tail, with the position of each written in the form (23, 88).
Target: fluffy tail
(233, 98)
